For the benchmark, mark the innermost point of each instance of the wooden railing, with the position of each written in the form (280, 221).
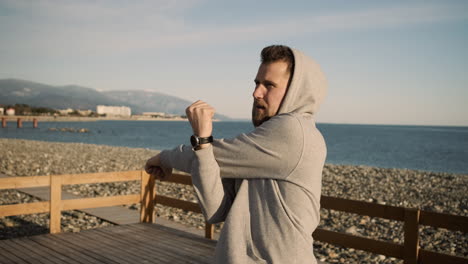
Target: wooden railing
(409, 251)
(55, 205)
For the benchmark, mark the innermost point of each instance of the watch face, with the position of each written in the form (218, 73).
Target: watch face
(194, 141)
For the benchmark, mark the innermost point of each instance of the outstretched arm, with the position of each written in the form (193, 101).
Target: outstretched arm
(271, 151)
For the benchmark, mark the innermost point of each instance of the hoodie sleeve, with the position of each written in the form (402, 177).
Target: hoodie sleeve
(215, 195)
(271, 151)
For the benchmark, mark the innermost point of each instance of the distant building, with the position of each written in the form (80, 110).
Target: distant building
(1, 110)
(154, 114)
(113, 110)
(10, 112)
(66, 111)
(85, 112)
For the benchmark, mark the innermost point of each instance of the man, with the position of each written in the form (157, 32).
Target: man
(265, 184)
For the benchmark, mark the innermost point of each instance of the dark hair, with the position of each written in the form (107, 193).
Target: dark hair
(275, 53)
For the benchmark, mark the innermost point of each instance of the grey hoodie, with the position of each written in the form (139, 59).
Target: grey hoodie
(266, 184)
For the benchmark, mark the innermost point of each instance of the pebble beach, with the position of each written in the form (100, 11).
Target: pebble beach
(438, 192)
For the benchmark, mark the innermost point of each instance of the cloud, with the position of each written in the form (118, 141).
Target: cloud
(109, 27)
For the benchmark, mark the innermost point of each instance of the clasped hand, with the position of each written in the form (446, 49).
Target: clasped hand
(200, 116)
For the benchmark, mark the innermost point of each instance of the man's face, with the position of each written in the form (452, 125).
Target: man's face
(271, 84)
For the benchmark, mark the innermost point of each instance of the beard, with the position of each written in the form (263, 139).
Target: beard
(259, 114)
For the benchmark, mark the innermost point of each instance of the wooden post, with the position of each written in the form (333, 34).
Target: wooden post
(20, 123)
(209, 229)
(148, 195)
(4, 122)
(55, 203)
(411, 243)
(35, 123)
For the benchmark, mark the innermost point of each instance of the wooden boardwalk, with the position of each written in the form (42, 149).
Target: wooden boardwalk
(134, 243)
(154, 243)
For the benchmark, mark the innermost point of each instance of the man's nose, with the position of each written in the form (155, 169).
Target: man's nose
(259, 92)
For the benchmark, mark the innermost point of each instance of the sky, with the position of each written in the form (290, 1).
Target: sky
(386, 62)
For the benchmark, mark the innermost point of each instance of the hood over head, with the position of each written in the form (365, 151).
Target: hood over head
(307, 89)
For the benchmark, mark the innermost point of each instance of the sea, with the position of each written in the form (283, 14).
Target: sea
(428, 148)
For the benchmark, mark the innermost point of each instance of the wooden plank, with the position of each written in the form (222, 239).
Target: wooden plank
(168, 201)
(363, 208)
(43, 254)
(189, 246)
(441, 220)
(24, 182)
(184, 252)
(362, 243)
(92, 246)
(147, 196)
(411, 240)
(18, 251)
(182, 234)
(198, 244)
(25, 208)
(100, 177)
(138, 245)
(430, 257)
(100, 202)
(84, 253)
(177, 235)
(182, 227)
(117, 246)
(118, 215)
(7, 256)
(180, 178)
(49, 242)
(55, 204)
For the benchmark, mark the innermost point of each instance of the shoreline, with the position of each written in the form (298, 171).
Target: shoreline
(88, 119)
(430, 191)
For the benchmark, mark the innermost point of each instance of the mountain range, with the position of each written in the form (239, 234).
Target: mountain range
(15, 91)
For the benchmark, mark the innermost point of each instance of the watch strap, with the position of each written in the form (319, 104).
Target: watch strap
(197, 141)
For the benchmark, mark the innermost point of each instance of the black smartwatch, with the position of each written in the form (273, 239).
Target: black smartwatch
(196, 141)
